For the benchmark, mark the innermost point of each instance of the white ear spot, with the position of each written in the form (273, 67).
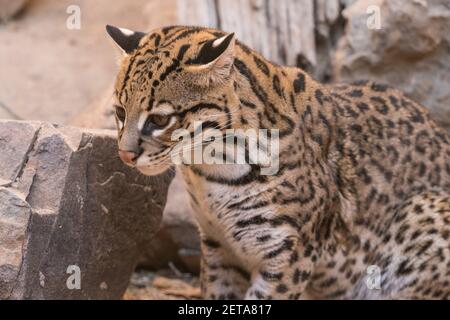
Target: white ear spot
(126, 32)
(217, 42)
(121, 124)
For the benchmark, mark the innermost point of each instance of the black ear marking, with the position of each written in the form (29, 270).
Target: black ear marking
(125, 39)
(211, 50)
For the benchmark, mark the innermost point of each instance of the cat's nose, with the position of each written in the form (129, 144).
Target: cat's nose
(129, 157)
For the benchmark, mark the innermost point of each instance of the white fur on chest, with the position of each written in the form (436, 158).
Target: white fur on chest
(216, 215)
(213, 199)
(211, 204)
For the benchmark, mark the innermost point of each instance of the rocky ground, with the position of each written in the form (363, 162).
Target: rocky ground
(161, 285)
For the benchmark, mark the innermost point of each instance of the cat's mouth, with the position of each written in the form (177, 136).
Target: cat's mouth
(152, 168)
(154, 160)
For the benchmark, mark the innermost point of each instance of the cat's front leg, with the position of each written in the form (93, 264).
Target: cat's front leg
(283, 273)
(221, 278)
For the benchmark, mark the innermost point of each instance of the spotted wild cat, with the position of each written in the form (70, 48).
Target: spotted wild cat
(363, 179)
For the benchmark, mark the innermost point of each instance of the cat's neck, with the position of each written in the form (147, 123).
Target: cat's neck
(280, 102)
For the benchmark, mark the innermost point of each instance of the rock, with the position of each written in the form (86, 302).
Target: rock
(409, 50)
(68, 205)
(8, 8)
(99, 114)
(178, 240)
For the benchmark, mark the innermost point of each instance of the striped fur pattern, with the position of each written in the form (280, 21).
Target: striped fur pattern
(364, 174)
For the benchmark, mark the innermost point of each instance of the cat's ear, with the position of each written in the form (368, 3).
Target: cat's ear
(214, 60)
(127, 40)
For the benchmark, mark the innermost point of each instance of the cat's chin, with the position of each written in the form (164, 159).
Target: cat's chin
(152, 170)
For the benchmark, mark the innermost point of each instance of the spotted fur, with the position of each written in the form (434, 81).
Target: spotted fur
(363, 180)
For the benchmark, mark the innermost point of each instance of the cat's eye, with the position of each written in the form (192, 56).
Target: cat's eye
(155, 122)
(120, 113)
(159, 120)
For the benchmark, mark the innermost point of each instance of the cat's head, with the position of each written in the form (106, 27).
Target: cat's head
(169, 79)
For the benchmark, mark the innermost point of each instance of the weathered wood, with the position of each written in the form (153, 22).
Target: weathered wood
(197, 12)
(282, 30)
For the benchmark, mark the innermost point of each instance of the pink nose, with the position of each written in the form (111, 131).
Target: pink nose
(127, 156)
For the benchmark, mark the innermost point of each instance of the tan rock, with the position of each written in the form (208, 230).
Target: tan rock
(408, 51)
(9, 9)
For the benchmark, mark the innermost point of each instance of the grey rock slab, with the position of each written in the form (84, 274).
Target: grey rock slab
(68, 207)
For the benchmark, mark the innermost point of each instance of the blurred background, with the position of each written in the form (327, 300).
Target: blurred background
(58, 65)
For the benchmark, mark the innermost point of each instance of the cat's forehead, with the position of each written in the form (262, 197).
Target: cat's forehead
(160, 44)
(142, 76)
(164, 37)
(168, 40)
(158, 61)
